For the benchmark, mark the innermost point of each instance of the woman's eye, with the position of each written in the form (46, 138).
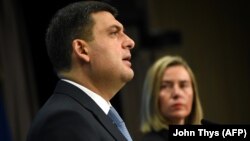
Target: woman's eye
(185, 85)
(165, 86)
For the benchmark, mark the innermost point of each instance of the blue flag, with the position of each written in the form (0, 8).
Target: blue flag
(5, 134)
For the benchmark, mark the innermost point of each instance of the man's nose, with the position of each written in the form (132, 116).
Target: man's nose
(128, 43)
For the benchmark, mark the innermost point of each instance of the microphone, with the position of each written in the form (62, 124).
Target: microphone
(207, 122)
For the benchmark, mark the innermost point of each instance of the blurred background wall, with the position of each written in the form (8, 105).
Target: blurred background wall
(214, 39)
(211, 35)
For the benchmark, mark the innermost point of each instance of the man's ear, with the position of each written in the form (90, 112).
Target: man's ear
(80, 49)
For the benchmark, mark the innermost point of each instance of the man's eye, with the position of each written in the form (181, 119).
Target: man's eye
(114, 33)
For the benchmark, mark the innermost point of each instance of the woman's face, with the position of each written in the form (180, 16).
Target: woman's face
(176, 94)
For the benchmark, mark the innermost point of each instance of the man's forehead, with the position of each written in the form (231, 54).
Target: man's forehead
(106, 19)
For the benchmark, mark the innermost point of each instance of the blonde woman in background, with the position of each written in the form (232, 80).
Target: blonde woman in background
(170, 97)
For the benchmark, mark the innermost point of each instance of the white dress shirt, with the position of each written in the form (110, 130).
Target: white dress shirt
(101, 102)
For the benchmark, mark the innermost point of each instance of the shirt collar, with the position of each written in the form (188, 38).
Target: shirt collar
(101, 102)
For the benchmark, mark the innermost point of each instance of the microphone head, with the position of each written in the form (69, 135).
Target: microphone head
(207, 122)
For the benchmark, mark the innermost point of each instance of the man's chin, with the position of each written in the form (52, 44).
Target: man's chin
(129, 76)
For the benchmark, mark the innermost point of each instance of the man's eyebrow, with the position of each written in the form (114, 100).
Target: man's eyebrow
(116, 27)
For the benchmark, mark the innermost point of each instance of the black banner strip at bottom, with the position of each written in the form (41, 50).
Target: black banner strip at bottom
(210, 132)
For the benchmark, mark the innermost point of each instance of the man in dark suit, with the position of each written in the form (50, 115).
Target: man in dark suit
(91, 55)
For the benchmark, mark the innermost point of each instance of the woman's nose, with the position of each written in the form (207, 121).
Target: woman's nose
(176, 91)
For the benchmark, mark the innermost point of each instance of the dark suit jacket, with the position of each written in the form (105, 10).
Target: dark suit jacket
(71, 115)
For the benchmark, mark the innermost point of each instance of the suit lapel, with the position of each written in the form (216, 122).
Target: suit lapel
(82, 98)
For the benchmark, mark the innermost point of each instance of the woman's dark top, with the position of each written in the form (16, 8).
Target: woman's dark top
(161, 135)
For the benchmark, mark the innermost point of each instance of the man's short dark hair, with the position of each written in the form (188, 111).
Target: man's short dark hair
(69, 23)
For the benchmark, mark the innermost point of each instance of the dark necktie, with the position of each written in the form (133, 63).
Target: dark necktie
(119, 123)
